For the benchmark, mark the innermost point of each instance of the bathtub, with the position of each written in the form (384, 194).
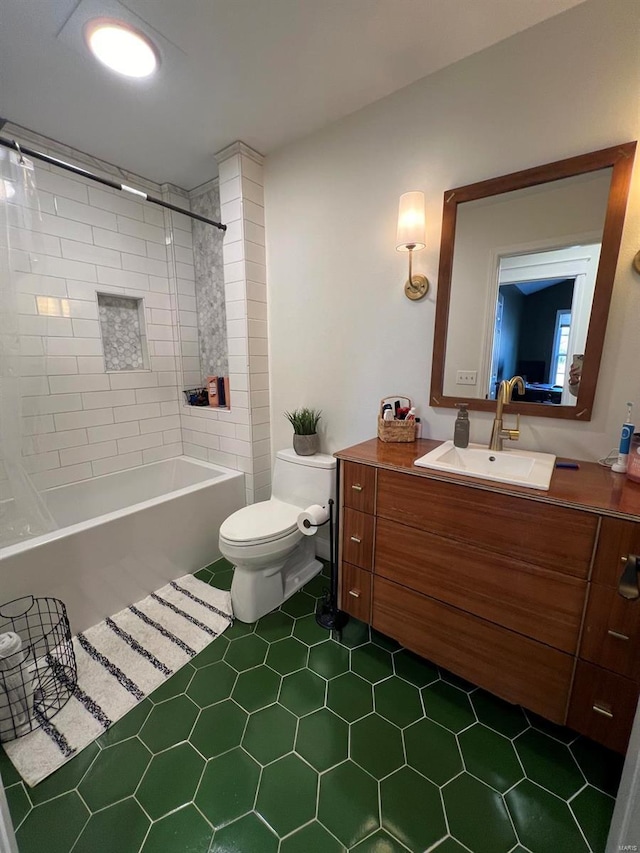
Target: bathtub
(122, 535)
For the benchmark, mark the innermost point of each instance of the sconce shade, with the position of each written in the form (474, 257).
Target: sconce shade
(411, 226)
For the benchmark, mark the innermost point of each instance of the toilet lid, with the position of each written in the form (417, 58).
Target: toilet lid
(261, 522)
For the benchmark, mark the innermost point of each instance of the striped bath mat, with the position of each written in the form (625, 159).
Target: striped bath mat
(120, 661)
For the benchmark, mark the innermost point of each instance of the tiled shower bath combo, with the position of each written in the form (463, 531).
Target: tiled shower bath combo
(280, 739)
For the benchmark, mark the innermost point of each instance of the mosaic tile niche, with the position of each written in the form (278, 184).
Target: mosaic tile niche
(123, 336)
(210, 296)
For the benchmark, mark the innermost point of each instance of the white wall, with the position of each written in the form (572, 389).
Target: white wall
(342, 333)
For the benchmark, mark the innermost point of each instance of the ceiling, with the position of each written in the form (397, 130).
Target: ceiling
(263, 71)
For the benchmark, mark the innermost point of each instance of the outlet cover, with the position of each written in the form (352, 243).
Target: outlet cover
(466, 377)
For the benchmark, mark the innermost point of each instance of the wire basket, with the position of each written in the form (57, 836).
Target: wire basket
(38, 672)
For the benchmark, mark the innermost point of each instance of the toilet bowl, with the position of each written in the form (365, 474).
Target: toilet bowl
(272, 558)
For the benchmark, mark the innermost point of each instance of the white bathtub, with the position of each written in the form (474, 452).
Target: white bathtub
(123, 535)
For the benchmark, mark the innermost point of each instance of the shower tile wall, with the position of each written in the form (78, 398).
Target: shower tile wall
(209, 286)
(80, 420)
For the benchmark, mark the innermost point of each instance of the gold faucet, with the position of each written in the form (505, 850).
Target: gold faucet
(499, 433)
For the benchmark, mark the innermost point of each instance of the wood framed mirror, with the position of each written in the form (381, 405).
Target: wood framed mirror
(527, 263)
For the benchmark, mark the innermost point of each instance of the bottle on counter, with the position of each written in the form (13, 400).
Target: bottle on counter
(461, 428)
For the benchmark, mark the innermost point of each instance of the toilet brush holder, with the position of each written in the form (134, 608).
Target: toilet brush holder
(328, 614)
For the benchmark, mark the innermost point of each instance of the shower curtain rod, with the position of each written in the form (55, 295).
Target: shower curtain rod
(61, 164)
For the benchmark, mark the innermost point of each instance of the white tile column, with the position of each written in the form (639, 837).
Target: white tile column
(242, 211)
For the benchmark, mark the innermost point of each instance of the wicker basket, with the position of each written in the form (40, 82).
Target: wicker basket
(396, 430)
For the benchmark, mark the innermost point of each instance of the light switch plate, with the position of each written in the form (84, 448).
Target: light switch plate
(466, 377)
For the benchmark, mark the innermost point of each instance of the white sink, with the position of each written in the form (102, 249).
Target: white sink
(517, 467)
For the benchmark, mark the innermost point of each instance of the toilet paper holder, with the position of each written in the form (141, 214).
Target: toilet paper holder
(328, 615)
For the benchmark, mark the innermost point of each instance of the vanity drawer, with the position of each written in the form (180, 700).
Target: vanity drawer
(541, 604)
(602, 706)
(356, 592)
(514, 667)
(617, 539)
(357, 538)
(611, 636)
(359, 486)
(562, 539)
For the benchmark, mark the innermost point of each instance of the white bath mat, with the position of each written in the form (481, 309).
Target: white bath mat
(120, 661)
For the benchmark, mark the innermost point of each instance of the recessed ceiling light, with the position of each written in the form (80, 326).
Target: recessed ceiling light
(121, 47)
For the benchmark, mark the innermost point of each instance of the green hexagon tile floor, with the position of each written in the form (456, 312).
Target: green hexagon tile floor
(278, 739)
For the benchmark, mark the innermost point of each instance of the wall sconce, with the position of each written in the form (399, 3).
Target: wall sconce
(410, 238)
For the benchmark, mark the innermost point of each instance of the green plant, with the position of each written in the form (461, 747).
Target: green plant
(304, 421)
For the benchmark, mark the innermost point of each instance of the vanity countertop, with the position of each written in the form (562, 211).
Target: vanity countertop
(591, 487)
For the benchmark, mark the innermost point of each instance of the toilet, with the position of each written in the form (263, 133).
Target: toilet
(272, 558)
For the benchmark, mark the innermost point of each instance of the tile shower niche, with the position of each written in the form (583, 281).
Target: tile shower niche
(123, 332)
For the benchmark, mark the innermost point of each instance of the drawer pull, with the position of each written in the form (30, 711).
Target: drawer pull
(355, 593)
(628, 583)
(356, 487)
(617, 635)
(603, 711)
(356, 540)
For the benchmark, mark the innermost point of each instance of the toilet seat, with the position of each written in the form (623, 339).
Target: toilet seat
(267, 521)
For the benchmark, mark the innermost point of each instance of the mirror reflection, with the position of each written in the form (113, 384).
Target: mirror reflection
(523, 279)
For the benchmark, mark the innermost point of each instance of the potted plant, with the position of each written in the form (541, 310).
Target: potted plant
(306, 440)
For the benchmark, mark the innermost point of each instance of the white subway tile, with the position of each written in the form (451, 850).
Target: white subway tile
(235, 446)
(79, 420)
(61, 185)
(261, 463)
(254, 254)
(26, 303)
(103, 399)
(238, 346)
(119, 242)
(238, 382)
(161, 362)
(63, 268)
(115, 202)
(159, 424)
(55, 441)
(186, 288)
(168, 377)
(62, 366)
(236, 310)
(154, 395)
(79, 309)
(37, 425)
(253, 212)
(183, 256)
(236, 328)
(33, 385)
(259, 364)
(85, 291)
(243, 432)
(138, 412)
(41, 462)
(158, 251)
(32, 241)
(185, 271)
(168, 451)
(90, 364)
(153, 215)
(147, 266)
(261, 431)
(230, 190)
(123, 278)
(260, 416)
(187, 303)
(189, 333)
(172, 436)
(258, 347)
(116, 463)
(86, 328)
(235, 290)
(161, 317)
(259, 399)
(256, 272)
(231, 210)
(61, 476)
(85, 213)
(139, 442)
(190, 348)
(41, 285)
(256, 310)
(252, 191)
(159, 333)
(133, 379)
(162, 348)
(234, 271)
(188, 318)
(159, 284)
(59, 327)
(238, 364)
(74, 346)
(75, 455)
(228, 460)
(111, 432)
(259, 381)
(51, 404)
(183, 238)
(171, 408)
(201, 439)
(254, 233)
(252, 170)
(141, 230)
(31, 346)
(235, 231)
(79, 383)
(90, 254)
(195, 451)
(60, 227)
(229, 168)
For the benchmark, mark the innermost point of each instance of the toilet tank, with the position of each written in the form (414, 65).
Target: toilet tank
(304, 480)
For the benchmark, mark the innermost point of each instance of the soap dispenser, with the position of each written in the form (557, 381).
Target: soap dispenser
(461, 428)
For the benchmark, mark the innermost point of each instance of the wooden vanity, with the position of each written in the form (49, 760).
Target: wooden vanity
(514, 589)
